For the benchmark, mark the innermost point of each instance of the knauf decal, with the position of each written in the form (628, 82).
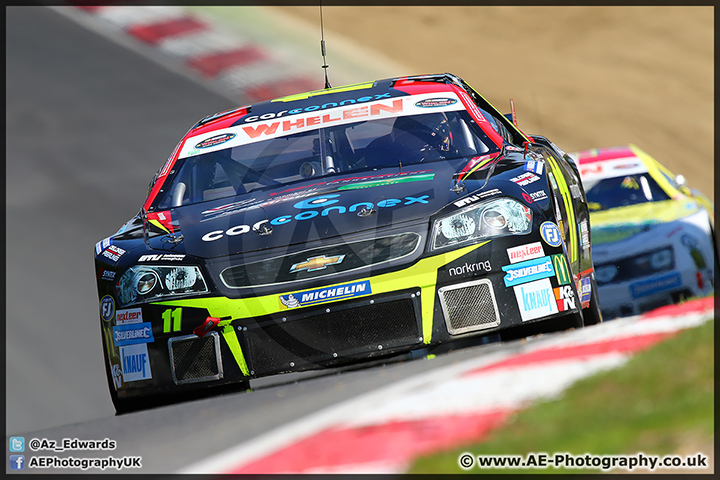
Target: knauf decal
(135, 363)
(536, 299)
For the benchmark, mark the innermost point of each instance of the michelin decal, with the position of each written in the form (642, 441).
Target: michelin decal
(325, 294)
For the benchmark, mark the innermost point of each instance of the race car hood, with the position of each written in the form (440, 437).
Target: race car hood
(324, 208)
(619, 223)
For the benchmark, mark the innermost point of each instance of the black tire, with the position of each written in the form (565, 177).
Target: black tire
(593, 315)
(128, 405)
(117, 403)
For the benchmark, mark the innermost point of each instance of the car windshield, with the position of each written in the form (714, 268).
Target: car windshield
(623, 190)
(361, 146)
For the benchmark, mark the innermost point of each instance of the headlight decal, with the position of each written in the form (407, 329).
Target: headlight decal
(180, 278)
(492, 218)
(457, 226)
(142, 283)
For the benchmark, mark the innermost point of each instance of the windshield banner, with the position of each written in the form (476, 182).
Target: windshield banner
(278, 127)
(594, 171)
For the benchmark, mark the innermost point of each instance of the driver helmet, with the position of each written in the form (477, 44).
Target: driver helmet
(432, 128)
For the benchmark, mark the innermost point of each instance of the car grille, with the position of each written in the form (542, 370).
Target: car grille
(321, 261)
(469, 306)
(195, 359)
(324, 337)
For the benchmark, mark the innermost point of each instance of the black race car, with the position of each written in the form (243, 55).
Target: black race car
(340, 225)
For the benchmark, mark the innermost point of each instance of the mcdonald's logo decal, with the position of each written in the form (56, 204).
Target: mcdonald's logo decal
(561, 269)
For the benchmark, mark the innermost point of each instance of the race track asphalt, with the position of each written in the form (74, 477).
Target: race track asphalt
(88, 124)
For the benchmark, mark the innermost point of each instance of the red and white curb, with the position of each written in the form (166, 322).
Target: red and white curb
(216, 56)
(385, 430)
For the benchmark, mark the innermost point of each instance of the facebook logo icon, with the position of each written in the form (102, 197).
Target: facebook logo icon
(17, 462)
(17, 444)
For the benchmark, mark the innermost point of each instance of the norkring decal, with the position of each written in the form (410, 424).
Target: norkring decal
(326, 294)
(322, 206)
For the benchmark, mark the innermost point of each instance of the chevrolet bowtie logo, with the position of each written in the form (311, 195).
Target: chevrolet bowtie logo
(316, 263)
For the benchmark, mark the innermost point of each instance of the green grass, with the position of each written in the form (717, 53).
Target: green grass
(660, 402)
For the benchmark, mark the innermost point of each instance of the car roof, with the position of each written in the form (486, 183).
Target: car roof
(599, 163)
(338, 97)
(347, 95)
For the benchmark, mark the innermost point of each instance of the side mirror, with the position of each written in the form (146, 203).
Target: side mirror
(680, 182)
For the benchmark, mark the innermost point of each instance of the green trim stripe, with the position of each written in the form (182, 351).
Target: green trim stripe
(388, 181)
(228, 333)
(423, 274)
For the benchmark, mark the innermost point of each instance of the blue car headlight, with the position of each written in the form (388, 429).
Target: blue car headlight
(141, 284)
(636, 266)
(605, 273)
(494, 218)
(652, 262)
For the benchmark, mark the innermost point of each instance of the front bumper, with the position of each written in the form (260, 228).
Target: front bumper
(436, 299)
(644, 294)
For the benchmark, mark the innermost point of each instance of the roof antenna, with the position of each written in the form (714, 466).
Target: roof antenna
(322, 48)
